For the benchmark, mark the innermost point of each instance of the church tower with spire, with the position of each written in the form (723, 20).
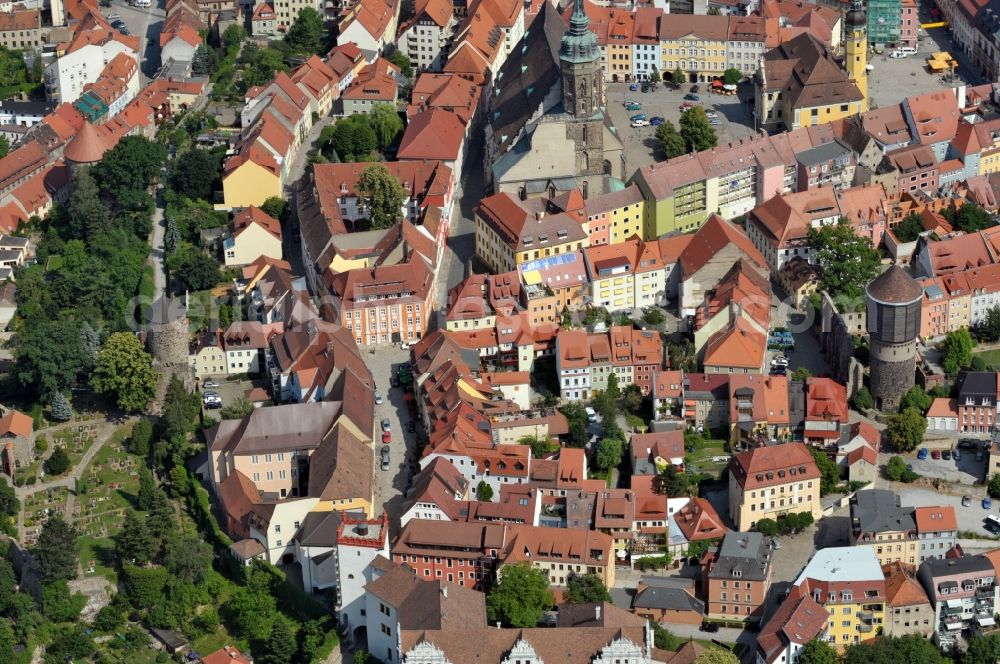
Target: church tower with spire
(856, 49)
(583, 97)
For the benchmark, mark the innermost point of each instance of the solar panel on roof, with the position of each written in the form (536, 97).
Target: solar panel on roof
(548, 262)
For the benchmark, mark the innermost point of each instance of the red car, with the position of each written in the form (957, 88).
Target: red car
(936, 454)
(386, 437)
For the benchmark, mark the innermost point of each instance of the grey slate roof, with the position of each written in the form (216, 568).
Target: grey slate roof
(878, 510)
(742, 555)
(668, 599)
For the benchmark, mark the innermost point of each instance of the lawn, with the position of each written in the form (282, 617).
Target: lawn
(107, 489)
(97, 549)
(700, 460)
(991, 357)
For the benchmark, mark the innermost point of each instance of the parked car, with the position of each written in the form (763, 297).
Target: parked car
(775, 543)
(936, 454)
(987, 503)
(378, 399)
(640, 123)
(394, 381)
(404, 346)
(715, 122)
(633, 107)
(946, 455)
(629, 102)
(645, 87)
(386, 426)
(386, 437)
(709, 627)
(922, 454)
(209, 383)
(691, 97)
(638, 116)
(656, 121)
(386, 453)
(956, 455)
(694, 89)
(634, 87)
(966, 500)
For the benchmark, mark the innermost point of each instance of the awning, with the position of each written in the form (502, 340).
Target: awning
(953, 626)
(954, 603)
(987, 622)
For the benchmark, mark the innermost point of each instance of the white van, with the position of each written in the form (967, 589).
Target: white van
(591, 414)
(905, 50)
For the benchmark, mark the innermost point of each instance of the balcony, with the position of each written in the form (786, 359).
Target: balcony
(864, 629)
(867, 616)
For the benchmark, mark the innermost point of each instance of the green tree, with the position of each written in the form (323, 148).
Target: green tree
(905, 430)
(612, 390)
(9, 504)
(678, 76)
(847, 259)
(386, 123)
(917, 398)
(912, 649)
(201, 62)
(716, 656)
(653, 315)
(540, 445)
(767, 527)
(363, 657)
(632, 398)
(982, 650)
(863, 399)
(399, 59)
(59, 604)
(280, 645)
(141, 437)
(897, 471)
(146, 495)
(956, 351)
(989, 329)
(195, 269)
(801, 374)
(143, 586)
(276, 207)
(251, 609)
(672, 143)
(584, 588)
(353, 138)
(60, 409)
(307, 33)
(909, 229)
(194, 173)
(180, 408)
(732, 76)
(714, 11)
(134, 544)
(111, 617)
(818, 652)
(91, 341)
(829, 471)
(233, 36)
(58, 462)
(237, 410)
(57, 551)
(88, 216)
(484, 491)
(311, 637)
(971, 218)
(48, 356)
(697, 132)
(654, 76)
(131, 165)
(382, 195)
(577, 418)
(672, 482)
(608, 454)
(993, 487)
(125, 371)
(69, 644)
(519, 597)
(4, 146)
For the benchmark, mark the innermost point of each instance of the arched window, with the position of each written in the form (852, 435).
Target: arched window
(607, 167)
(552, 190)
(586, 188)
(585, 162)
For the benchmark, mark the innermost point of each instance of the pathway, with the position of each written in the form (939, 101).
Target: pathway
(106, 431)
(157, 253)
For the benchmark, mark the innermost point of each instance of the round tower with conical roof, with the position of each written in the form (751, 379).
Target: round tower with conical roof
(893, 301)
(87, 147)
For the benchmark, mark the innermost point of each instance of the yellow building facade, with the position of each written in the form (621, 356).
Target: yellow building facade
(248, 184)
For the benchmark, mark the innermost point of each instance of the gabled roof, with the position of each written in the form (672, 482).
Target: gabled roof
(16, 423)
(253, 215)
(715, 235)
(698, 520)
(432, 134)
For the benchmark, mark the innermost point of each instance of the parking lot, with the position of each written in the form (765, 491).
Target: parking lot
(144, 23)
(228, 390)
(970, 518)
(966, 470)
(640, 142)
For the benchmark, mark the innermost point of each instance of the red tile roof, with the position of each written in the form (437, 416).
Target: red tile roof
(433, 134)
(932, 518)
(774, 465)
(698, 520)
(16, 423)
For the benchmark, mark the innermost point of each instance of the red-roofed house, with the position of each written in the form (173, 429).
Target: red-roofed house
(264, 21)
(943, 415)
(377, 83)
(16, 430)
(826, 411)
(253, 234)
(434, 134)
(699, 521)
(788, 469)
(371, 24)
